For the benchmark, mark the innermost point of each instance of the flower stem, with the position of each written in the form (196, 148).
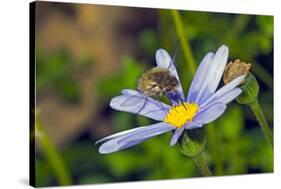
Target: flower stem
(256, 108)
(213, 139)
(52, 154)
(188, 56)
(202, 165)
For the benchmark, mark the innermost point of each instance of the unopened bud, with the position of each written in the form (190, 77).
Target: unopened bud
(249, 86)
(250, 90)
(193, 142)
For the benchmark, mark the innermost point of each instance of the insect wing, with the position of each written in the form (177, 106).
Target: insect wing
(173, 60)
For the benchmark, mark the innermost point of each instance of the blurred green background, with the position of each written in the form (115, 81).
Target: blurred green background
(86, 54)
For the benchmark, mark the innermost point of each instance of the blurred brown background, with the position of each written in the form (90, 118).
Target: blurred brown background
(99, 32)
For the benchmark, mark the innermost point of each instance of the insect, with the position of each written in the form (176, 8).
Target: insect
(156, 82)
(159, 81)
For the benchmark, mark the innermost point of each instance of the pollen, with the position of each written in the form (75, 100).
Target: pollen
(181, 114)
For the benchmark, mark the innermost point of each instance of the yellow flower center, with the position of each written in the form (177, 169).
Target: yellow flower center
(179, 115)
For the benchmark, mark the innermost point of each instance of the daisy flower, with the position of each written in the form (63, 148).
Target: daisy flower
(203, 104)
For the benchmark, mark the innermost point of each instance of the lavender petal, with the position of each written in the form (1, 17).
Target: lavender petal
(224, 90)
(120, 134)
(132, 137)
(214, 75)
(113, 146)
(199, 77)
(176, 136)
(210, 114)
(134, 102)
(193, 125)
(150, 131)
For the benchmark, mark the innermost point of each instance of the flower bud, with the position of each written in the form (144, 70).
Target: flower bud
(250, 90)
(192, 142)
(249, 86)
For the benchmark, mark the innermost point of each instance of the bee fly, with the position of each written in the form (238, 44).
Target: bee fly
(157, 82)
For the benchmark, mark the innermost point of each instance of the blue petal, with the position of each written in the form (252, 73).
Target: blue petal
(210, 113)
(193, 125)
(135, 102)
(225, 98)
(215, 71)
(164, 60)
(228, 97)
(150, 131)
(199, 77)
(132, 137)
(223, 91)
(120, 134)
(113, 146)
(176, 136)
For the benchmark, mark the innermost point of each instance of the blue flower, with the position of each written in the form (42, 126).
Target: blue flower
(203, 104)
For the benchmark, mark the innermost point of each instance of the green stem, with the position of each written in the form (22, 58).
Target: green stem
(255, 106)
(188, 56)
(202, 165)
(52, 154)
(214, 150)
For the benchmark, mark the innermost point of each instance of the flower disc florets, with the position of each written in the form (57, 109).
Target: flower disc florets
(179, 115)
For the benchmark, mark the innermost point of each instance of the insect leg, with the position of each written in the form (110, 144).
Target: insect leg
(135, 116)
(146, 98)
(163, 108)
(180, 100)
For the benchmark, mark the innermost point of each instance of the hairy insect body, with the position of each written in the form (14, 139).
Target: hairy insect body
(157, 82)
